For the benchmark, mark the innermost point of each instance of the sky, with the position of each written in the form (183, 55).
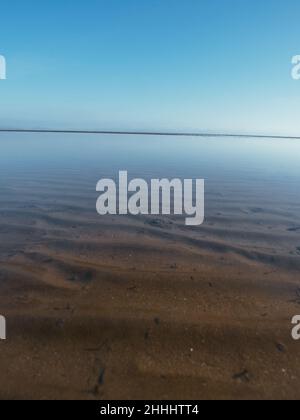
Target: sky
(196, 65)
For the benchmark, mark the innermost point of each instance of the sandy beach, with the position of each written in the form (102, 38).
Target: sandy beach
(142, 307)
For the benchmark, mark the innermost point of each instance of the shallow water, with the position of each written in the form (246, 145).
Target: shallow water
(251, 186)
(173, 156)
(131, 296)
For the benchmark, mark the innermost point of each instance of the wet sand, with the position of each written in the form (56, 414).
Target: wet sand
(143, 307)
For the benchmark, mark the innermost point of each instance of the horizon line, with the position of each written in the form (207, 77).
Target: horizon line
(146, 133)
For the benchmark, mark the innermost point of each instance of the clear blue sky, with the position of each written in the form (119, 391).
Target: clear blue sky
(216, 65)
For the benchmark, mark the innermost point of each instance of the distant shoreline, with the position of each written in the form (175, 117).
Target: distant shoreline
(146, 133)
